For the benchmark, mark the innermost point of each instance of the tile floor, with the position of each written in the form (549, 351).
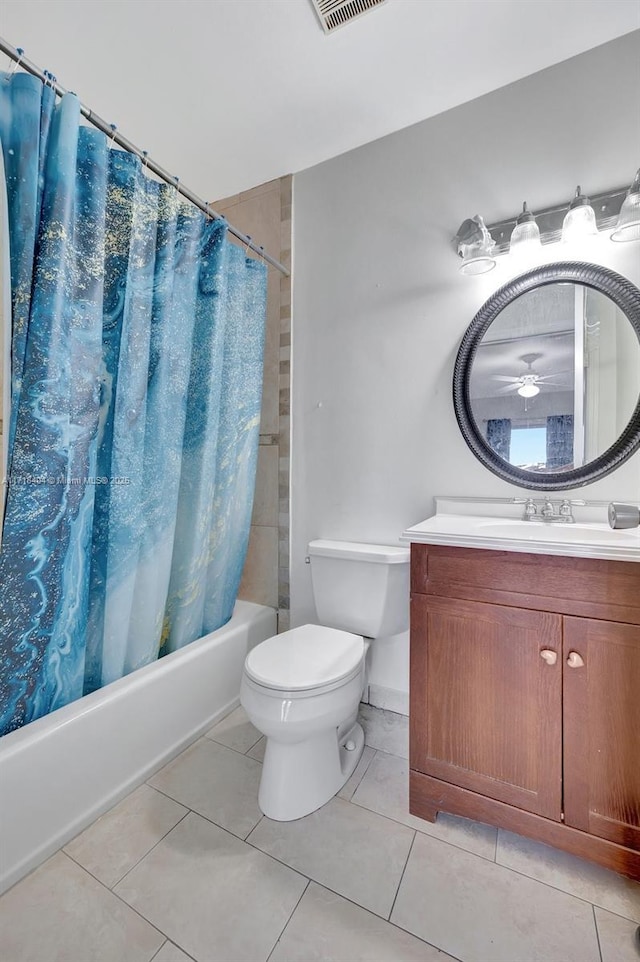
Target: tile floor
(186, 868)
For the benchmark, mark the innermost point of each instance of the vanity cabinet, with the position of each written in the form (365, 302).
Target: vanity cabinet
(525, 696)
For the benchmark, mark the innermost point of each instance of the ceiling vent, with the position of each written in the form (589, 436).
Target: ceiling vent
(336, 13)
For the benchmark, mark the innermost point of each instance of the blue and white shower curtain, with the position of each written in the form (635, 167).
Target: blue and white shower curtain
(136, 376)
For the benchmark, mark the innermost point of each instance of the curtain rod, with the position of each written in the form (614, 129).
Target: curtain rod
(16, 54)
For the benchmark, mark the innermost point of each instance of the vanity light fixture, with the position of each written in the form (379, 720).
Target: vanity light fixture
(616, 210)
(580, 219)
(526, 233)
(628, 226)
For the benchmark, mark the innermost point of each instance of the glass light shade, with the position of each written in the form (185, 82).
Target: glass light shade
(628, 226)
(528, 390)
(477, 253)
(526, 234)
(580, 219)
(477, 265)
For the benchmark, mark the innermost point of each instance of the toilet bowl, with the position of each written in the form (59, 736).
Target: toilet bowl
(307, 708)
(302, 688)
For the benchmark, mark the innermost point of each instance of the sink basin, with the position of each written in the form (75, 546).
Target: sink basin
(461, 522)
(556, 533)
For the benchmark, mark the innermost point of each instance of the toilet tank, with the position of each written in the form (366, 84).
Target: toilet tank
(363, 588)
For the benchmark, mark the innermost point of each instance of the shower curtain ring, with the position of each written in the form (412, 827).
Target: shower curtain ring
(246, 250)
(112, 139)
(16, 63)
(145, 159)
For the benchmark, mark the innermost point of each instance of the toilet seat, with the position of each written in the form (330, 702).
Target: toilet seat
(308, 658)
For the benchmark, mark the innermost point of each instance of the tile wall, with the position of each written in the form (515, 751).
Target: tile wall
(264, 214)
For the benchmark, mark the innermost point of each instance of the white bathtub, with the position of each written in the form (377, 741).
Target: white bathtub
(62, 771)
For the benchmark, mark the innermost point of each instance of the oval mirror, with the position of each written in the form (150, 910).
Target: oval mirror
(546, 386)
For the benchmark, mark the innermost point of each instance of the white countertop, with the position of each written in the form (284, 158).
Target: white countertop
(497, 525)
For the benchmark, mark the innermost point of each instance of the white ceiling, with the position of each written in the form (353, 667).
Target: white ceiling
(232, 93)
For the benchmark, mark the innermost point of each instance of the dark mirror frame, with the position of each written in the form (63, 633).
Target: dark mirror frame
(625, 296)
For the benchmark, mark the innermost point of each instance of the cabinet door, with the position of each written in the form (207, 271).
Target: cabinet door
(486, 700)
(602, 729)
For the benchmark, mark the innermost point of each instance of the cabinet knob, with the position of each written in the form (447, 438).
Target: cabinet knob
(549, 656)
(574, 660)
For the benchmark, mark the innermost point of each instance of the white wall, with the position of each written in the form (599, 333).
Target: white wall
(380, 308)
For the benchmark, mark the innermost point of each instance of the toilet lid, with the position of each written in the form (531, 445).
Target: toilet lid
(307, 657)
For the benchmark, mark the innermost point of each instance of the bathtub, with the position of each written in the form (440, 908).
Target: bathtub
(61, 772)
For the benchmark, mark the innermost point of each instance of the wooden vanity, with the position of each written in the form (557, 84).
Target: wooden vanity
(525, 696)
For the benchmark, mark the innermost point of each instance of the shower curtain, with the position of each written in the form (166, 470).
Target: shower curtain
(136, 377)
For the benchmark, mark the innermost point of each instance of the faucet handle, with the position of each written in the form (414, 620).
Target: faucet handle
(530, 508)
(567, 504)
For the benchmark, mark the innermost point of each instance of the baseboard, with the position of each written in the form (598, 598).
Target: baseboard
(391, 699)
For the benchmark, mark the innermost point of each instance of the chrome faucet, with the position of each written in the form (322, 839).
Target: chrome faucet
(547, 513)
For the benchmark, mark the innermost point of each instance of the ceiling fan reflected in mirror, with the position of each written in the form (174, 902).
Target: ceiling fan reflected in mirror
(527, 384)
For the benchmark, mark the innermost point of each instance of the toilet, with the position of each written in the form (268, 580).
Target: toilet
(302, 688)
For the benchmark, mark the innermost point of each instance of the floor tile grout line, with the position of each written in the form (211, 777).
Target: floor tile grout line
(361, 779)
(595, 925)
(374, 915)
(155, 955)
(168, 941)
(254, 745)
(207, 739)
(118, 897)
(625, 918)
(436, 838)
(581, 898)
(404, 869)
(191, 811)
(154, 846)
(311, 878)
(555, 888)
(231, 748)
(494, 860)
(454, 958)
(286, 924)
(259, 822)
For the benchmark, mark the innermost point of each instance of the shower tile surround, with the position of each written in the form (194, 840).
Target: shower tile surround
(186, 868)
(264, 213)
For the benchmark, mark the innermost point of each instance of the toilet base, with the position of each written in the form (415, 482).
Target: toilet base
(299, 778)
